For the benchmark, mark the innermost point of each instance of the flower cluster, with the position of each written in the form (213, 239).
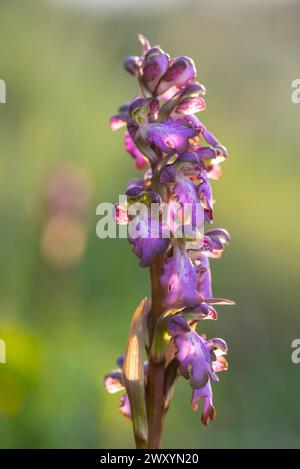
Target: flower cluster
(180, 157)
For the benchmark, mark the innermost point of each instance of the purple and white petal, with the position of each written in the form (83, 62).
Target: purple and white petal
(114, 382)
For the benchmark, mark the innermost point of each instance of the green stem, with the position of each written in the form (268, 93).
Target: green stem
(156, 370)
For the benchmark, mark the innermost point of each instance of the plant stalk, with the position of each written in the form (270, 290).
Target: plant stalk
(156, 370)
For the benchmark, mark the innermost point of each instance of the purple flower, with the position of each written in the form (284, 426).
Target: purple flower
(120, 119)
(181, 72)
(208, 411)
(204, 284)
(182, 177)
(218, 349)
(199, 360)
(132, 64)
(148, 241)
(190, 105)
(180, 279)
(188, 168)
(173, 102)
(132, 149)
(144, 111)
(171, 136)
(205, 196)
(204, 310)
(136, 133)
(218, 239)
(194, 358)
(124, 407)
(114, 382)
(155, 65)
(180, 156)
(137, 193)
(183, 174)
(185, 190)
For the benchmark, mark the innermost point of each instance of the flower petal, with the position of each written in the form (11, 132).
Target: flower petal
(171, 136)
(219, 239)
(144, 43)
(145, 246)
(124, 407)
(114, 382)
(132, 64)
(182, 71)
(194, 358)
(208, 412)
(132, 149)
(191, 105)
(120, 119)
(180, 280)
(204, 285)
(155, 65)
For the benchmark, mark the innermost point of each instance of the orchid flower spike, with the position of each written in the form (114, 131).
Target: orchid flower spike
(179, 158)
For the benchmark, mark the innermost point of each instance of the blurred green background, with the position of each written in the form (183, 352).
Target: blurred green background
(66, 297)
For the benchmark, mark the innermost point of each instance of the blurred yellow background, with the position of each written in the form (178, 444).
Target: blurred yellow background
(66, 297)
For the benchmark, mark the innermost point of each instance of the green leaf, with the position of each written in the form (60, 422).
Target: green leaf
(133, 370)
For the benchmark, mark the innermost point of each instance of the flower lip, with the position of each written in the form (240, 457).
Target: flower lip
(208, 412)
(171, 136)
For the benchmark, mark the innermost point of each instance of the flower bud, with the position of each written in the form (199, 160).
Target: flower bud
(155, 65)
(181, 72)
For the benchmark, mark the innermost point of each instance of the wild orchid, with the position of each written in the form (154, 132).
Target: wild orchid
(179, 156)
